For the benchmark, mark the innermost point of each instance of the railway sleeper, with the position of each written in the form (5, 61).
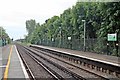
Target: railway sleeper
(83, 63)
(88, 65)
(94, 67)
(65, 70)
(97, 68)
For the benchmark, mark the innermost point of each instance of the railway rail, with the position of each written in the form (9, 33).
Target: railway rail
(58, 68)
(95, 67)
(35, 69)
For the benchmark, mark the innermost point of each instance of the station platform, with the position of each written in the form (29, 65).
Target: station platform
(113, 60)
(12, 66)
(0, 62)
(3, 59)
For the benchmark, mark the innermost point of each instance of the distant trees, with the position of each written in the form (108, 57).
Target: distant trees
(30, 26)
(101, 19)
(4, 35)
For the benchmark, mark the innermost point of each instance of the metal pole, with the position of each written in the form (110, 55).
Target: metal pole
(60, 36)
(1, 37)
(1, 32)
(107, 48)
(84, 36)
(117, 46)
(117, 49)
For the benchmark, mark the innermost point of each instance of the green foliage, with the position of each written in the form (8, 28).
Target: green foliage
(4, 35)
(30, 26)
(100, 18)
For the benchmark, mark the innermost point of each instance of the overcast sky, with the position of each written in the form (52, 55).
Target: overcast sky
(14, 13)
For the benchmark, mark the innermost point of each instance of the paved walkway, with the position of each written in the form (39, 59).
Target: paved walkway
(14, 66)
(4, 52)
(0, 62)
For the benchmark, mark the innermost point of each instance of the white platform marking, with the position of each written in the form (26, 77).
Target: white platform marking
(115, 64)
(23, 68)
(3, 66)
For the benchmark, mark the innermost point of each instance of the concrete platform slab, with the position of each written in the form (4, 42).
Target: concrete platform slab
(15, 68)
(0, 62)
(4, 52)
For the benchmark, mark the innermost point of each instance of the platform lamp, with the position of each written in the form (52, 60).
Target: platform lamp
(84, 34)
(60, 36)
(0, 36)
(1, 32)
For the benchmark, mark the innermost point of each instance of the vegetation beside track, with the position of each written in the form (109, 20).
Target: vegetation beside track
(100, 20)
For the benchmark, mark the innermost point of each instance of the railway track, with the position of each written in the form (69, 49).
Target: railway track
(60, 68)
(86, 74)
(57, 72)
(35, 69)
(105, 70)
(71, 64)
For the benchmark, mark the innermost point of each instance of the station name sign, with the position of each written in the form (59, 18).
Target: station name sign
(112, 37)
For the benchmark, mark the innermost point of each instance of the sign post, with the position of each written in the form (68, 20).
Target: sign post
(113, 38)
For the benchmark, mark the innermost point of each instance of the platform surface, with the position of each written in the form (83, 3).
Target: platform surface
(14, 67)
(99, 57)
(0, 62)
(4, 52)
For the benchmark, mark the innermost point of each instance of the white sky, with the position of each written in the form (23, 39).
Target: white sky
(14, 13)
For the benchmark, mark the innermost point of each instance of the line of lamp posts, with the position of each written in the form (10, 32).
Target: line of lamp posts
(84, 47)
(69, 38)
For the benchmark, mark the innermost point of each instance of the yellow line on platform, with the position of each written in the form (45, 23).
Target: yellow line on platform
(8, 63)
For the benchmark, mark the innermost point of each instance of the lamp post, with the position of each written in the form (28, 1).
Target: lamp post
(1, 32)
(84, 34)
(60, 36)
(1, 36)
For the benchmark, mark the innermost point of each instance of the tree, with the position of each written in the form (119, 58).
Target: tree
(30, 26)
(101, 19)
(4, 35)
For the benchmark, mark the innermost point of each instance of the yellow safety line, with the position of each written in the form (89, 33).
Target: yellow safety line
(8, 63)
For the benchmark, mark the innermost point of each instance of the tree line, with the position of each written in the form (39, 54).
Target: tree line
(100, 19)
(4, 38)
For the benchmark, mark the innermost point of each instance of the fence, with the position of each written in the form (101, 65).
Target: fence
(92, 45)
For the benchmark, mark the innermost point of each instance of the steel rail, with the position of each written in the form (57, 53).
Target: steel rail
(32, 77)
(96, 65)
(70, 64)
(51, 72)
(76, 76)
